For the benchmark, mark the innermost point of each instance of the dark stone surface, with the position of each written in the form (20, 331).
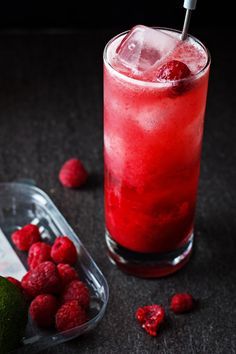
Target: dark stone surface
(50, 110)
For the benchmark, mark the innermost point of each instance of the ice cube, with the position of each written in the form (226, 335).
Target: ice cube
(143, 47)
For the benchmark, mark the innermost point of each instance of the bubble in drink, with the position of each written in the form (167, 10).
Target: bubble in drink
(143, 48)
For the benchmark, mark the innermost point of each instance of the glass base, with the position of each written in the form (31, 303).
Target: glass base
(148, 265)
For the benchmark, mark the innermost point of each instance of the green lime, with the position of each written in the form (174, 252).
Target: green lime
(13, 316)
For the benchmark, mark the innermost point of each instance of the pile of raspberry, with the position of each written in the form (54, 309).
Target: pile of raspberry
(58, 298)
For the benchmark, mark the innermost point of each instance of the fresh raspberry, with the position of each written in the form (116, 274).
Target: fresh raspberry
(76, 290)
(150, 317)
(73, 174)
(181, 303)
(64, 251)
(173, 70)
(14, 281)
(70, 315)
(66, 273)
(25, 237)
(44, 279)
(24, 284)
(43, 310)
(39, 252)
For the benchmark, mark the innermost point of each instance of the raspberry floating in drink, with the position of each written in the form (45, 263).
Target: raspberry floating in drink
(172, 70)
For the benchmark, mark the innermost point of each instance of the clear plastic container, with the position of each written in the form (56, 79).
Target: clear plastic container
(22, 204)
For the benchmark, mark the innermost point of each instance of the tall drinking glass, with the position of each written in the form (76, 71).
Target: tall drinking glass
(152, 146)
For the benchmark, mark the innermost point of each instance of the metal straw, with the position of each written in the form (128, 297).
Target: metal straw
(189, 5)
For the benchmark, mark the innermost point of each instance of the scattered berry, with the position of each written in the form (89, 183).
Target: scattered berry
(76, 290)
(66, 273)
(25, 237)
(43, 279)
(39, 252)
(15, 282)
(70, 315)
(73, 174)
(64, 251)
(173, 70)
(150, 317)
(43, 310)
(181, 303)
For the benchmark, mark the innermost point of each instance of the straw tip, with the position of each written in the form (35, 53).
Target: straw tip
(190, 4)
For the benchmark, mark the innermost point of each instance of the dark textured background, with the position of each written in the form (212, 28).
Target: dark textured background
(103, 14)
(50, 110)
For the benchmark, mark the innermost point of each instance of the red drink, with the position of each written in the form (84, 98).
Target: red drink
(153, 135)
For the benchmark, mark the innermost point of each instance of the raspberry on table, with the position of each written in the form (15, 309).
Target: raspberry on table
(64, 251)
(25, 237)
(76, 290)
(39, 252)
(43, 310)
(70, 315)
(66, 273)
(150, 317)
(182, 302)
(73, 174)
(173, 70)
(15, 282)
(44, 279)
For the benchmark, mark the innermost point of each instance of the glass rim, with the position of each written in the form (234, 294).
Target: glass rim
(158, 83)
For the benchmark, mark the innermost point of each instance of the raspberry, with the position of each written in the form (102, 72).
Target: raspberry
(43, 279)
(43, 310)
(70, 315)
(76, 290)
(181, 303)
(39, 252)
(64, 251)
(66, 273)
(14, 281)
(25, 237)
(24, 284)
(73, 174)
(150, 317)
(173, 70)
